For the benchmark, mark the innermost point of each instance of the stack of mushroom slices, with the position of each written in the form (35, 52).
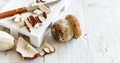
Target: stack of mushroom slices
(28, 52)
(36, 18)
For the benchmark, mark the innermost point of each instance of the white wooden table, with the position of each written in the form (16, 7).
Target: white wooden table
(100, 40)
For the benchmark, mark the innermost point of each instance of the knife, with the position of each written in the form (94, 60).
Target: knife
(24, 9)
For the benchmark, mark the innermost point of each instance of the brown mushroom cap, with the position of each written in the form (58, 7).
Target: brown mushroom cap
(75, 25)
(61, 30)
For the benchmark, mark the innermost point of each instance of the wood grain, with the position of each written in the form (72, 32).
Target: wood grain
(102, 29)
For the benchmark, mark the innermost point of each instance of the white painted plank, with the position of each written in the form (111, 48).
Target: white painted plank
(12, 57)
(3, 3)
(102, 28)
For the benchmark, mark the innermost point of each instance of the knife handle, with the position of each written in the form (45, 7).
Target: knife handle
(13, 12)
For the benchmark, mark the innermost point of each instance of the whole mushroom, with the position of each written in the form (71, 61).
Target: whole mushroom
(64, 29)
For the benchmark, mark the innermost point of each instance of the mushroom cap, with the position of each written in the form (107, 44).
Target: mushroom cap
(62, 30)
(75, 25)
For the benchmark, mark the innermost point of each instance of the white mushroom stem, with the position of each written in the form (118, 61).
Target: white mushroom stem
(6, 41)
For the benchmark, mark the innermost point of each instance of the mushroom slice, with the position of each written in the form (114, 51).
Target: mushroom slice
(14, 16)
(49, 46)
(17, 18)
(42, 19)
(46, 50)
(21, 23)
(42, 53)
(26, 50)
(44, 8)
(28, 25)
(37, 12)
(44, 14)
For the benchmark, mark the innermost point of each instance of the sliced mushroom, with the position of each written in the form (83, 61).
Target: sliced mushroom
(26, 50)
(42, 19)
(17, 19)
(49, 46)
(39, 19)
(21, 23)
(13, 17)
(44, 14)
(46, 48)
(44, 8)
(28, 25)
(32, 20)
(37, 12)
(42, 53)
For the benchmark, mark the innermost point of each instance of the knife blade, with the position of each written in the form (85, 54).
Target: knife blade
(24, 9)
